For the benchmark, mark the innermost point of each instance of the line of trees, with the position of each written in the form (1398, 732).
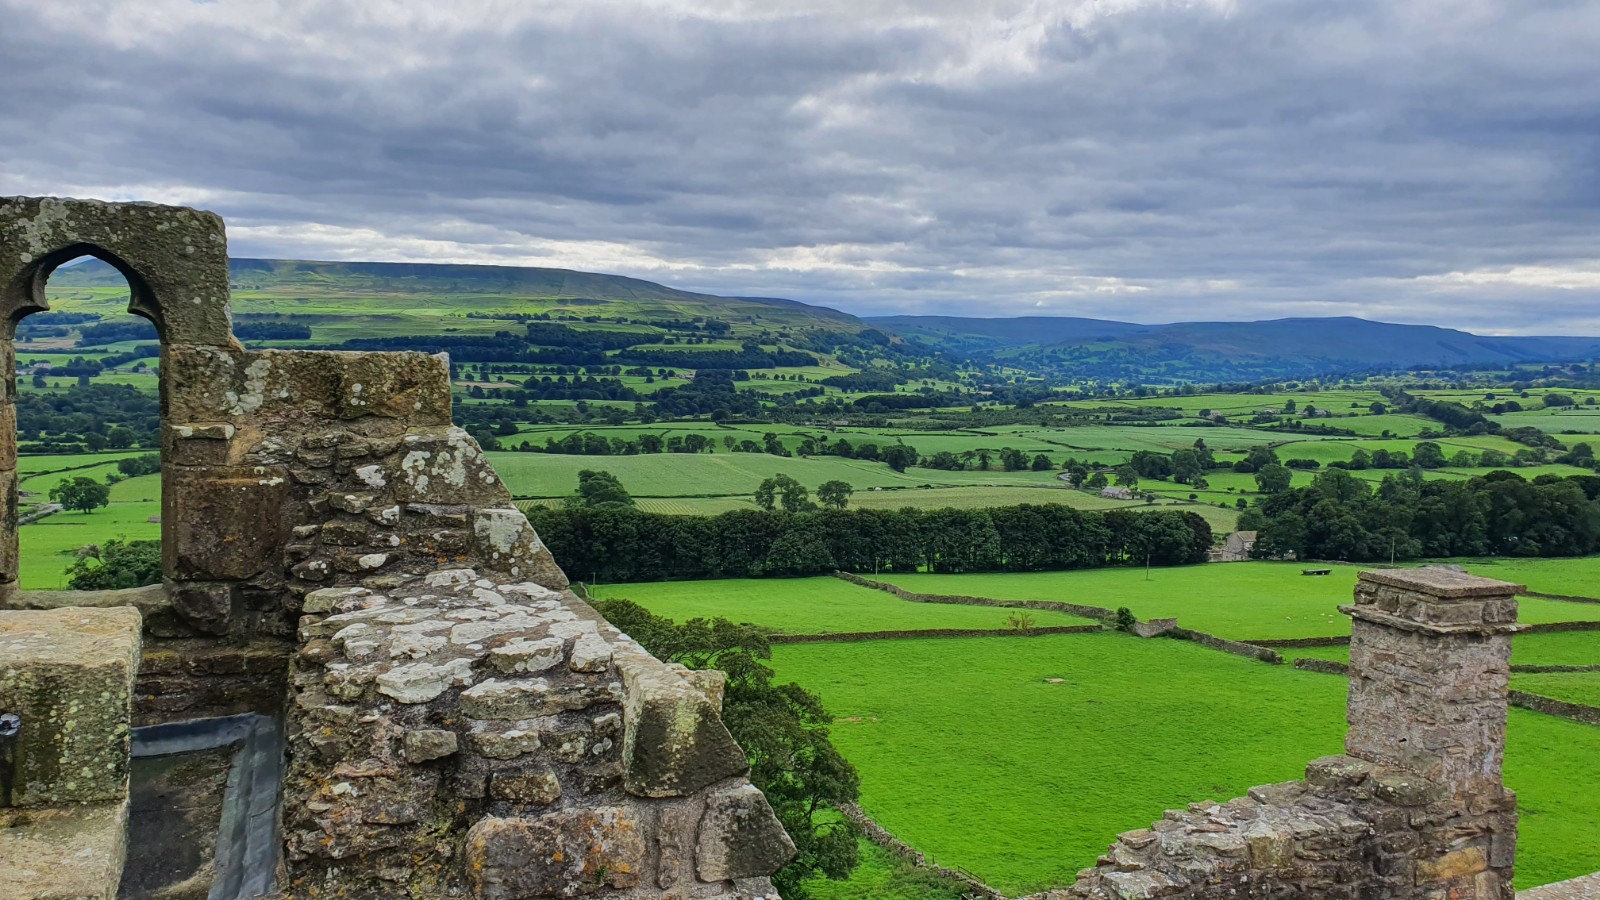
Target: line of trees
(616, 543)
(1340, 516)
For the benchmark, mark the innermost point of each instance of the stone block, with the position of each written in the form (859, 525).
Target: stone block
(426, 745)
(570, 853)
(206, 605)
(525, 656)
(503, 541)
(222, 523)
(496, 699)
(1462, 863)
(68, 674)
(532, 788)
(740, 837)
(198, 444)
(63, 853)
(674, 742)
(411, 386)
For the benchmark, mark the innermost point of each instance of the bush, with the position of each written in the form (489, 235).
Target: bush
(1125, 619)
(114, 565)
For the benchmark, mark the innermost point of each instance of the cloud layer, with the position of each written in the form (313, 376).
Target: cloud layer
(1431, 161)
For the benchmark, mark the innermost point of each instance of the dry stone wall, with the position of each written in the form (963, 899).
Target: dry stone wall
(573, 763)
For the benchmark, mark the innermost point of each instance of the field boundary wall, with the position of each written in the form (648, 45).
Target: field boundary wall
(1577, 712)
(1552, 627)
(1567, 597)
(885, 838)
(1325, 666)
(1291, 643)
(1237, 648)
(845, 637)
(1071, 609)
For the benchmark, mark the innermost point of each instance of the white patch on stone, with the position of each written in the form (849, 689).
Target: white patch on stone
(415, 646)
(590, 653)
(326, 599)
(449, 577)
(372, 476)
(421, 682)
(573, 628)
(372, 560)
(528, 656)
(499, 530)
(255, 388)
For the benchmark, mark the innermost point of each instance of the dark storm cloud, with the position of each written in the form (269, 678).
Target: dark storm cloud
(1132, 159)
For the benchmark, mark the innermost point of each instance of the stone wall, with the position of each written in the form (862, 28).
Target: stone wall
(512, 714)
(66, 686)
(336, 553)
(1415, 808)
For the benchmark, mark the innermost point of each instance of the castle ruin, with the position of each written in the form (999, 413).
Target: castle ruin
(366, 651)
(346, 579)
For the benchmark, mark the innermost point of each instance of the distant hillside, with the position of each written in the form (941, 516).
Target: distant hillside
(347, 300)
(1227, 350)
(486, 288)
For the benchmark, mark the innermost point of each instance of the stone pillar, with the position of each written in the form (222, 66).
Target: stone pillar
(66, 694)
(10, 554)
(1430, 663)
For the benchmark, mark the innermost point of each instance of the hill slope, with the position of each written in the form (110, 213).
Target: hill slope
(357, 299)
(1220, 350)
(482, 289)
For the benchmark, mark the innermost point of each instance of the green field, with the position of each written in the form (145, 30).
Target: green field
(1563, 648)
(1573, 687)
(1241, 601)
(811, 606)
(47, 545)
(709, 483)
(1020, 760)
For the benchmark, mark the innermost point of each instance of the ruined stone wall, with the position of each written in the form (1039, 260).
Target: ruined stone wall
(1414, 810)
(66, 685)
(458, 722)
(513, 714)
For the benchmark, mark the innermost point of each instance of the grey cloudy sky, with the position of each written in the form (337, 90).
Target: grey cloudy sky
(1428, 161)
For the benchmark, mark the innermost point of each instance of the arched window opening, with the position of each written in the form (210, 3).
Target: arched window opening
(88, 435)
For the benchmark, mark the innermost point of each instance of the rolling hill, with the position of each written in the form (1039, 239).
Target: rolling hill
(1295, 347)
(283, 285)
(345, 299)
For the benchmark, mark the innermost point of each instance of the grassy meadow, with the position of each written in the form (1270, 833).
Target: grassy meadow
(1043, 750)
(819, 605)
(1241, 601)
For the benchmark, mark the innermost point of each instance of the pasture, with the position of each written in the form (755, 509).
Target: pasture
(822, 605)
(1045, 748)
(1042, 750)
(1240, 601)
(48, 544)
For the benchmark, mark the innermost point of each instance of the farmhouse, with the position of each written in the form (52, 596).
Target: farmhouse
(1235, 547)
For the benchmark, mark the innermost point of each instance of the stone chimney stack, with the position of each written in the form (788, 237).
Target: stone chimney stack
(1430, 661)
